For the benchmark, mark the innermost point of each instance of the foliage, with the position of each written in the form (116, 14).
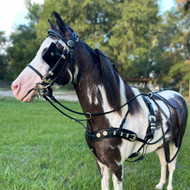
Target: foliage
(40, 149)
(132, 38)
(141, 42)
(3, 59)
(172, 49)
(124, 30)
(92, 24)
(23, 49)
(24, 43)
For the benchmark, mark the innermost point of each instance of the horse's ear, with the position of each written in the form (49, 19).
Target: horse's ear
(60, 23)
(52, 25)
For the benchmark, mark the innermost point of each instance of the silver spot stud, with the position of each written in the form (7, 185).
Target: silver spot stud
(105, 133)
(52, 54)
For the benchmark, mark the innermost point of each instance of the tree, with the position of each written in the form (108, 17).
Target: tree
(24, 42)
(23, 49)
(92, 24)
(123, 29)
(3, 60)
(172, 49)
(132, 38)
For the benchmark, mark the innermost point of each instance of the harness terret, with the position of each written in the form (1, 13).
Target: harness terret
(57, 60)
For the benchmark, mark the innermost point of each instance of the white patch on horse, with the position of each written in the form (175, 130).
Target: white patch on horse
(71, 78)
(96, 96)
(113, 118)
(105, 175)
(76, 73)
(117, 184)
(122, 93)
(89, 94)
(141, 102)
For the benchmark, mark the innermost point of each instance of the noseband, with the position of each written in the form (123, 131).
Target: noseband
(57, 60)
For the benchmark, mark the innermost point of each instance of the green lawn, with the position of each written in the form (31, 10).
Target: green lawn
(41, 149)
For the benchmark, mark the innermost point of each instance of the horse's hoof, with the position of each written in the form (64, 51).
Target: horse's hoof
(169, 188)
(159, 186)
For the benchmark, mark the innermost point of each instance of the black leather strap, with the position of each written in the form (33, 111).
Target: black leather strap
(112, 132)
(36, 71)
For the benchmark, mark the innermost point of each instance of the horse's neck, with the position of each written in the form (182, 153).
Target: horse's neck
(101, 89)
(93, 97)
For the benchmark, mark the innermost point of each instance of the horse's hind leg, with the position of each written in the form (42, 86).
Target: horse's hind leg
(172, 165)
(105, 175)
(163, 163)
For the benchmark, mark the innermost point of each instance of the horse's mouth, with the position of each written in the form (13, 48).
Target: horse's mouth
(29, 97)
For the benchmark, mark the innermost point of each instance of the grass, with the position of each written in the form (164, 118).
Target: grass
(40, 149)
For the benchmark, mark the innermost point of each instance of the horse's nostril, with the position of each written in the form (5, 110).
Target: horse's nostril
(15, 88)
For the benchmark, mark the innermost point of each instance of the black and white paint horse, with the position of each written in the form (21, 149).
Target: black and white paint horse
(63, 58)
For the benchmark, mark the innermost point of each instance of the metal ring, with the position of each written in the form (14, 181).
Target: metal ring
(150, 94)
(88, 114)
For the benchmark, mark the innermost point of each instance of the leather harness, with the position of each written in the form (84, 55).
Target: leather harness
(58, 60)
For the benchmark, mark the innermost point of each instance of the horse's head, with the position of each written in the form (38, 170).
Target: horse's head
(53, 60)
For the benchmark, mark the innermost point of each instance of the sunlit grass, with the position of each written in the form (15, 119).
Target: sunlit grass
(41, 149)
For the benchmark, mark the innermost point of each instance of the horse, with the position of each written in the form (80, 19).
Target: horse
(122, 123)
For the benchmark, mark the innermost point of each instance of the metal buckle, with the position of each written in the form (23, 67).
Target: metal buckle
(45, 80)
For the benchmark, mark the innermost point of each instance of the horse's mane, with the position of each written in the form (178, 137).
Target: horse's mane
(111, 81)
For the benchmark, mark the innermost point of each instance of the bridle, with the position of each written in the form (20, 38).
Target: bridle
(57, 60)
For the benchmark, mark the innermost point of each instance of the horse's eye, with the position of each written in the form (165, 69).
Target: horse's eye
(60, 47)
(44, 50)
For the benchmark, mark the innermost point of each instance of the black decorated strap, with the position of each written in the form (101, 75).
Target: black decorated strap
(70, 43)
(56, 34)
(112, 132)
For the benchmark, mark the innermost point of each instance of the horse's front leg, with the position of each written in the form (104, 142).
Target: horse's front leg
(117, 175)
(118, 184)
(105, 175)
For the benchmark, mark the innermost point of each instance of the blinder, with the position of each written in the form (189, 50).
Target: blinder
(53, 54)
(56, 58)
